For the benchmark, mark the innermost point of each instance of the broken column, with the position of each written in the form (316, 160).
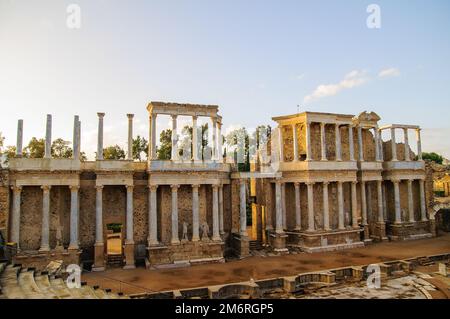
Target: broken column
(19, 138)
(48, 137)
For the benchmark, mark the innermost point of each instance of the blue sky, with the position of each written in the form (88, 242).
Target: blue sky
(256, 59)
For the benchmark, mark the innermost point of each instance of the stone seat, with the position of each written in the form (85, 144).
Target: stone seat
(43, 283)
(60, 288)
(10, 284)
(28, 285)
(100, 293)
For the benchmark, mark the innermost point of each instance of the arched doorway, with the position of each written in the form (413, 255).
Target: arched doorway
(114, 244)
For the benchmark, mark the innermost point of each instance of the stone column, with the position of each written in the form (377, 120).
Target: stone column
(380, 145)
(100, 136)
(221, 228)
(338, 143)
(326, 210)
(45, 234)
(130, 223)
(384, 201)
(15, 221)
(310, 186)
(398, 213)
(243, 208)
(214, 139)
(76, 138)
(281, 142)
(323, 142)
(340, 198)
(153, 136)
(175, 239)
(283, 204)
(354, 206)
(153, 217)
(377, 144)
(194, 139)
(215, 213)
(99, 248)
(19, 144)
(48, 137)
(195, 213)
(130, 137)
(410, 201)
(360, 144)
(174, 155)
(419, 145)
(219, 142)
(295, 142)
(363, 203)
(308, 142)
(350, 141)
(423, 208)
(74, 211)
(380, 202)
(405, 135)
(393, 145)
(278, 208)
(298, 216)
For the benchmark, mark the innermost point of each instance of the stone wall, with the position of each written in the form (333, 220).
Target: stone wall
(4, 202)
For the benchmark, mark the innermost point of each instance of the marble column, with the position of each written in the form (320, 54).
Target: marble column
(419, 145)
(380, 145)
(410, 201)
(153, 136)
(100, 136)
(76, 138)
(380, 202)
(298, 216)
(74, 218)
(130, 137)
(295, 142)
(48, 137)
(323, 142)
(215, 213)
(354, 206)
(423, 208)
(341, 224)
(351, 144)
(153, 217)
(214, 139)
(326, 210)
(310, 187)
(377, 144)
(15, 221)
(283, 204)
(130, 213)
(195, 146)
(338, 143)
(174, 155)
(195, 213)
(393, 145)
(363, 203)
(221, 228)
(281, 143)
(278, 208)
(219, 142)
(398, 213)
(384, 201)
(406, 141)
(99, 215)
(308, 142)
(19, 144)
(175, 239)
(45, 233)
(360, 144)
(243, 207)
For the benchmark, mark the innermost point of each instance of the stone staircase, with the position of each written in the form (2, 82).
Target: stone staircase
(255, 245)
(115, 261)
(22, 283)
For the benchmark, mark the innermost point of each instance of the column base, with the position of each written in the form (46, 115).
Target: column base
(278, 242)
(129, 256)
(73, 247)
(44, 249)
(99, 257)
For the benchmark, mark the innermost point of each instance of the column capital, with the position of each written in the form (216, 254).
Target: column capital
(215, 186)
(130, 116)
(409, 181)
(195, 186)
(395, 180)
(214, 119)
(310, 183)
(16, 188)
(99, 187)
(100, 114)
(340, 182)
(74, 187)
(153, 188)
(195, 117)
(322, 124)
(296, 184)
(242, 181)
(46, 187)
(278, 181)
(354, 182)
(326, 183)
(129, 187)
(174, 116)
(174, 187)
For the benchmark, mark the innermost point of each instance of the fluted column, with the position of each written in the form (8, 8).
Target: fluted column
(99, 215)
(215, 213)
(398, 216)
(295, 142)
(214, 139)
(393, 145)
(243, 207)
(283, 204)
(278, 208)
(354, 206)
(363, 203)
(129, 239)
(326, 210)
(221, 228)
(423, 208)
(340, 198)
(194, 139)
(419, 145)
(310, 187)
(74, 216)
(360, 144)
(338, 143)
(406, 141)
(45, 233)
(195, 213)
(130, 137)
(351, 144)
(377, 144)
(410, 201)
(174, 156)
(100, 136)
(19, 144)
(15, 222)
(308, 142)
(298, 216)
(323, 142)
(175, 238)
(153, 217)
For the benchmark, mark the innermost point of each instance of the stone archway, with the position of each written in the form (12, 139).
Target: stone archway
(441, 215)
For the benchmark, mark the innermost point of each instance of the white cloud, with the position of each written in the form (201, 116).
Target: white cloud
(300, 76)
(390, 72)
(353, 79)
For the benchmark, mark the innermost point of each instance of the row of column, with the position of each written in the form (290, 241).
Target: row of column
(196, 141)
(397, 204)
(406, 144)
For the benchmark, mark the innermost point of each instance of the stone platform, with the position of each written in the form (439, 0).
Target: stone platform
(408, 230)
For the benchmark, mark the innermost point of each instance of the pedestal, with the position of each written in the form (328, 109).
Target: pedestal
(278, 242)
(380, 232)
(99, 257)
(129, 256)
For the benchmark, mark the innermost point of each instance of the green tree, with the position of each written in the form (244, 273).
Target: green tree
(61, 149)
(140, 145)
(164, 151)
(10, 152)
(434, 157)
(113, 153)
(35, 148)
(239, 140)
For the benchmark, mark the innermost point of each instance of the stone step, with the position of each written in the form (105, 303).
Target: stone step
(43, 283)
(100, 293)
(88, 292)
(60, 289)
(28, 285)
(9, 283)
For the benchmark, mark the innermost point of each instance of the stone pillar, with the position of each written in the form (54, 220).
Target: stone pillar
(377, 144)
(323, 142)
(175, 239)
(215, 213)
(410, 201)
(295, 142)
(130, 137)
(354, 206)
(194, 139)
(326, 210)
(76, 138)
(174, 155)
(380, 145)
(19, 143)
(338, 143)
(283, 204)
(99, 248)
(221, 228)
(340, 198)
(15, 221)
(405, 135)
(129, 242)
(153, 136)
(363, 203)
(298, 216)
(195, 213)
(393, 145)
(243, 208)
(100, 136)
(219, 142)
(281, 142)
(214, 139)
(48, 137)
(419, 145)
(153, 217)
(384, 202)
(310, 186)
(360, 144)
(381, 225)
(308, 142)
(278, 208)
(45, 234)
(398, 213)
(350, 141)
(423, 208)
(74, 212)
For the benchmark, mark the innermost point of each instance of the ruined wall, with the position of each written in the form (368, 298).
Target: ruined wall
(30, 218)
(400, 147)
(4, 202)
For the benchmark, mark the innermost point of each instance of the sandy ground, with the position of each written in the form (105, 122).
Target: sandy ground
(142, 280)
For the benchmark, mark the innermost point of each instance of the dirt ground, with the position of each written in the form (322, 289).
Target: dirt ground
(141, 280)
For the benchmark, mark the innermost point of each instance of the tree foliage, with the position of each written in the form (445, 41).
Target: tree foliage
(61, 149)
(35, 148)
(113, 153)
(140, 147)
(434, 157)
(164, 150)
